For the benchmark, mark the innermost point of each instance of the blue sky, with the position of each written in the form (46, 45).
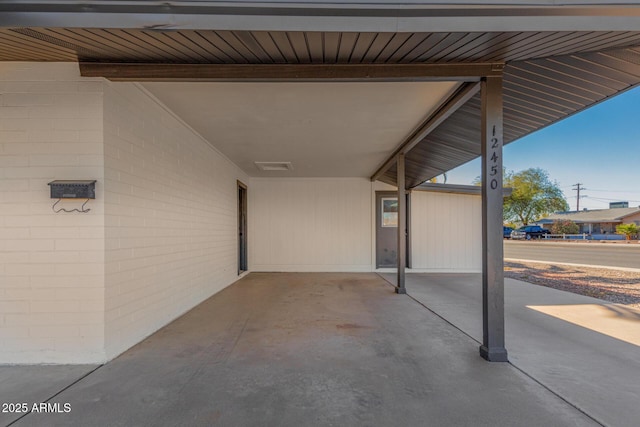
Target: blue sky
(599, 148)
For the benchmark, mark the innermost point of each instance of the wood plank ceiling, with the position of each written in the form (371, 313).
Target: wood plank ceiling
(549, 75)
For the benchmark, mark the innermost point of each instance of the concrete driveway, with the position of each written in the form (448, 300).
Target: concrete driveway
(583, 349)
(297, 350)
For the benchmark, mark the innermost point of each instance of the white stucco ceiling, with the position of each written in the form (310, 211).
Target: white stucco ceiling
(323, 129)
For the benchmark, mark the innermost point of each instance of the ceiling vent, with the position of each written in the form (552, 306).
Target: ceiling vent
(274, 166)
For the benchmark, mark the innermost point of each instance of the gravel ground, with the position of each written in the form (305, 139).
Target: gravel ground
(621, 287)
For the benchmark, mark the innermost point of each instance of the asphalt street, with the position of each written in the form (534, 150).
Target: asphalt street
(592, 253)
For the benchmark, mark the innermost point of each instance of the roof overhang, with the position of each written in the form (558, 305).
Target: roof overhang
(474, 190)
(537, 93)
(310, 15)
(560, 57)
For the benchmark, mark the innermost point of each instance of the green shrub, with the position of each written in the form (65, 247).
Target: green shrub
(564, 226)
(629, 230)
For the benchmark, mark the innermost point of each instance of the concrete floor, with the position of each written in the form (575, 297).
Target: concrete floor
(584, 349)
(286, 349)
(34, 384)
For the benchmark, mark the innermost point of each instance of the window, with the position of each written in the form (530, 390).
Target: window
(389, 212)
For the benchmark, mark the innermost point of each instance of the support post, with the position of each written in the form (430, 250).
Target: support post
(402, 225)
(493, 348)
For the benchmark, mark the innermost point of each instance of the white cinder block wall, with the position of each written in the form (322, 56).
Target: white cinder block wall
(51, 264)
(446, 232)
(310, 224)
(161, 235)
(170, 217)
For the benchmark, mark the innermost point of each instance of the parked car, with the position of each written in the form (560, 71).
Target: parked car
(506, 232)
(529, 232)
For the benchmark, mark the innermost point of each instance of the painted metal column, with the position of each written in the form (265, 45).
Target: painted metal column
(402, 225)
(493, 348)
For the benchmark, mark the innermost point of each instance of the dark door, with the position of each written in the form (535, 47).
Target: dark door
(387, 229)
(242, 227)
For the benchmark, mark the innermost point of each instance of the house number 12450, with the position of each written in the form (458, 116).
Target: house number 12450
(495, 143)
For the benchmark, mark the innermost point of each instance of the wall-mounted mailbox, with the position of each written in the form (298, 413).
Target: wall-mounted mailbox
(65, 189)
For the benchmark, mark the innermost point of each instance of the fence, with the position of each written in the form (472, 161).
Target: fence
(584, 236)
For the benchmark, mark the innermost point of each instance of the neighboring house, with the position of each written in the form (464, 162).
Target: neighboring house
(598, 221)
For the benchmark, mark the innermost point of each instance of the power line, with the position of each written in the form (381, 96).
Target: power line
(614, 191)
(614, 200)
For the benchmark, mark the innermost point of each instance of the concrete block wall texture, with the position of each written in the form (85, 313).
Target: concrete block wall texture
(170, 216)
(51, 264)
(159, 239)
(446, 232)
(312, 224)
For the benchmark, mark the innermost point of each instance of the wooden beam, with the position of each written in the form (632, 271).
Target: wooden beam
(289, 72)
(450, 106)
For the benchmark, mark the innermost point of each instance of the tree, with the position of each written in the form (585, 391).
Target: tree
(564, 226)
(627, 229)
(533, 196)
(434, 180)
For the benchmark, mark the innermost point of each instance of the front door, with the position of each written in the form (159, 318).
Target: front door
(387, 230)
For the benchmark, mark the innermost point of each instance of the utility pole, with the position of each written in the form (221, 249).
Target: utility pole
(577, 187)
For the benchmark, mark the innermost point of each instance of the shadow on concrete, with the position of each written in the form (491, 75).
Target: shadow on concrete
(623, 312)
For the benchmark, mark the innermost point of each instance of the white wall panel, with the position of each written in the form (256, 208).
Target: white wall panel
(321, 224)
(446, 232)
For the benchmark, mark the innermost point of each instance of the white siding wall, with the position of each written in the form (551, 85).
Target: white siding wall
(446, 232)
(171, 217)
(51, 264)
(321, 224)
